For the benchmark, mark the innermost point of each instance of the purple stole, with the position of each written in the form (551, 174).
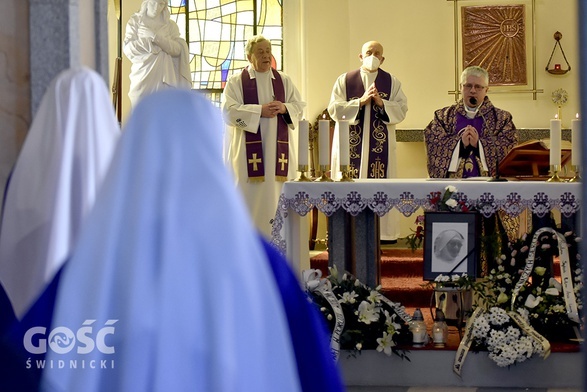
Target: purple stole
(254, 142)
(471, 168)
(378, 137)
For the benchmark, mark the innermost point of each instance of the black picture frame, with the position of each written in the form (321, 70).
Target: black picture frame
(451, 243)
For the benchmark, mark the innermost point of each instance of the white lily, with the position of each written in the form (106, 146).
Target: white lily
(552, 282)
(532, 301)
(367, 312)
(385, 343)
(552, 291)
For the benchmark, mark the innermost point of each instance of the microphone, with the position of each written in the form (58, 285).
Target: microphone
(497, 178)
(473, 101)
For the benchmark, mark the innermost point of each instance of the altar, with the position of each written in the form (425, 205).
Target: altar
(354, 206)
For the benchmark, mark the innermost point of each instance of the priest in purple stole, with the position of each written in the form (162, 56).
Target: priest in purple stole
(471, 137)
(261, 108)
(373, 102)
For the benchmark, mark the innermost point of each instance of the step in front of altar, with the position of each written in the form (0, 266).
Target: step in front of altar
(433, 368)
(401, 276)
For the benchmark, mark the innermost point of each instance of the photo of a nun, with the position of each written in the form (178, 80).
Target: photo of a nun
(449, 247)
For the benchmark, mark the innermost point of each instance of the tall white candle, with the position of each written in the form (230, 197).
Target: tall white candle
(576, 141)
(303, 142)
(555, 141)
(343, 132)
(324, 140)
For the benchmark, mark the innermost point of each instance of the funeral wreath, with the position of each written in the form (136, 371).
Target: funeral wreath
(359, 317)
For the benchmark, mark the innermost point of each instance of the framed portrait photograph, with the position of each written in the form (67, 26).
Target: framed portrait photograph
(451, 243)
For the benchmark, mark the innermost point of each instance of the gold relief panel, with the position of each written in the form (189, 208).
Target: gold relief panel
(494, 37)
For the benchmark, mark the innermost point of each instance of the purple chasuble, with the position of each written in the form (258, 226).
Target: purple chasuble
(254, 142)
(379, 136)
(471, 168)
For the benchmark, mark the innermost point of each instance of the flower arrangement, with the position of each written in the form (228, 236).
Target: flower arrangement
(447, 201)
(416, 239)
(462, 281)
(523, 305)
(369, 321)
(496, 332)
(540, 299)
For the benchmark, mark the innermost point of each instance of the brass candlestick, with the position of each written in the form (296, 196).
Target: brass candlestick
(324, 177)
(577, 176)
(346, 177)
(302, 169)
(554, 169)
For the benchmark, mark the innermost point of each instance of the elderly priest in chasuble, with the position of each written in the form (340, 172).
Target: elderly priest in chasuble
(261, 107)
(373, 102)
(469, 139)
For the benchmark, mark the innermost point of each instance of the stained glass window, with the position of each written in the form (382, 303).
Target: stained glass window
(217, 31)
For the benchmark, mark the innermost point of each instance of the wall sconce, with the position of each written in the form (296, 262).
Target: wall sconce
(557, 70)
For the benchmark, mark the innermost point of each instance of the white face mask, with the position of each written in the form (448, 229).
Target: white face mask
(371, 63)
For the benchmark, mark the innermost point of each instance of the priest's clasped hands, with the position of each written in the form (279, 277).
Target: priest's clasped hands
(272, 109)
(371, 94)
(469, 136)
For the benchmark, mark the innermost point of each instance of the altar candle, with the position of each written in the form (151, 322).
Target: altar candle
(324, 140)
(343, 132)
(303, 142)
(576, 141)
(555, 141)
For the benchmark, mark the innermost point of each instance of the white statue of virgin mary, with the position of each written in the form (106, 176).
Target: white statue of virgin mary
(159, 56)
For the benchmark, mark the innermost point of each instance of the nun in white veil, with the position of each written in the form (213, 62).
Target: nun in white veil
(54, 183)
(169, 274)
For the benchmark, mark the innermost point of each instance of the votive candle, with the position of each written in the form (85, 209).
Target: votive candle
(303, 142)
(343, 132)
(576, 141)
(324, 140)
(555, 141)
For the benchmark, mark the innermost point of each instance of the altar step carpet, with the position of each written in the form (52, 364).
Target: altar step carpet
(401, 276)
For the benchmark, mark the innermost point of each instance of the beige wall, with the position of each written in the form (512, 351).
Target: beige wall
(322, 39)
(419, 50)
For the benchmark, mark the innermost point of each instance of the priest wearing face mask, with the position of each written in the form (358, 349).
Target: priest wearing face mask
(470, 137)
(373, 102)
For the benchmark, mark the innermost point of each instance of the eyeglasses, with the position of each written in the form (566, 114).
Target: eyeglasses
(468, 86)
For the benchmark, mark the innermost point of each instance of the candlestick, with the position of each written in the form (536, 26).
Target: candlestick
(554, 170)
(303, 142)
(555, 141)
(343, 132)
(324, 140)
(576, 141)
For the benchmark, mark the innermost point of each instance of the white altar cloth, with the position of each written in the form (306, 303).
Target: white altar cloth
(290, 226)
